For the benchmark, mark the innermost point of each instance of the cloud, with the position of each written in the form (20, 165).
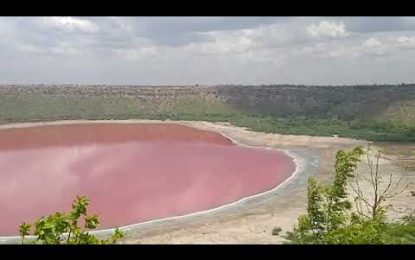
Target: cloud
(327, 29)
(260, 39)
(389, 44)
(206, 50)
(379, 24)
(374, 47)
(180, 31)
(406, 42)
(24, 47)
(139, 53)
(372, 43)
(323, 50)
(72, 24)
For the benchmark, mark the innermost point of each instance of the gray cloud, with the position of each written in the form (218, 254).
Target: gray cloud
(380, 24)
(207, 50)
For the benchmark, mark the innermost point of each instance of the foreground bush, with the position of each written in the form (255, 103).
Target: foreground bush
(64, 228)
(331, 219)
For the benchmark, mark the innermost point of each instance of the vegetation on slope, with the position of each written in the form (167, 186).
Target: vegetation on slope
(378, 113)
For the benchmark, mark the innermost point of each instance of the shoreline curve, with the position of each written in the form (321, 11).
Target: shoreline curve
(299, 167)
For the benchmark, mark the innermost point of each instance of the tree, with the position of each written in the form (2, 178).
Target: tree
(327, 204)
(64, 228)
(330, 218)
(381, 191)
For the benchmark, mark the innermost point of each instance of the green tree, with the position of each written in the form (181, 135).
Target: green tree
(327, 205)
(64, 228)
(330, 218)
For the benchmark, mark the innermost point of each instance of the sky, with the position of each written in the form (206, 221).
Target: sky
(207, 50)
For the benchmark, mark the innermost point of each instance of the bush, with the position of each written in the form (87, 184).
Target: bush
(276, 231)
(63, 228)
(331, 220)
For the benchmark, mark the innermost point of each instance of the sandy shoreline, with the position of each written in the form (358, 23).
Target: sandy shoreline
(299, 167)
(251, 219)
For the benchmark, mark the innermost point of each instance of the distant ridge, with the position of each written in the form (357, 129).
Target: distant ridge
(375, 112)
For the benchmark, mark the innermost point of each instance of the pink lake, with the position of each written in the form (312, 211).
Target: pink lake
(132, 173)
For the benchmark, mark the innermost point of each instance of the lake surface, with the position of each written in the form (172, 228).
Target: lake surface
(131, 172)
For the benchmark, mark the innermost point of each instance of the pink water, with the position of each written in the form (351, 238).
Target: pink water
(131, 173)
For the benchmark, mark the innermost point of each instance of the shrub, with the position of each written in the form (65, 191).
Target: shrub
(276, 231)
(64, 228)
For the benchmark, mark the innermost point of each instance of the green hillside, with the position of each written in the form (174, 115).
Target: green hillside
(379, 113)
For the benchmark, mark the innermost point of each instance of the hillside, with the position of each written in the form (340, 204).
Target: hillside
(374, 112)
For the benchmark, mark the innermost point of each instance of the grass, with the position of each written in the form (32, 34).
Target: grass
(401, 233)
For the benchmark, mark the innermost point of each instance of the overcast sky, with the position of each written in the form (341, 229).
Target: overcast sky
(207, 50)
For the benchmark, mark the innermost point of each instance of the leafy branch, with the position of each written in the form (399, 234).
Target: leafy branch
(64, 228)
